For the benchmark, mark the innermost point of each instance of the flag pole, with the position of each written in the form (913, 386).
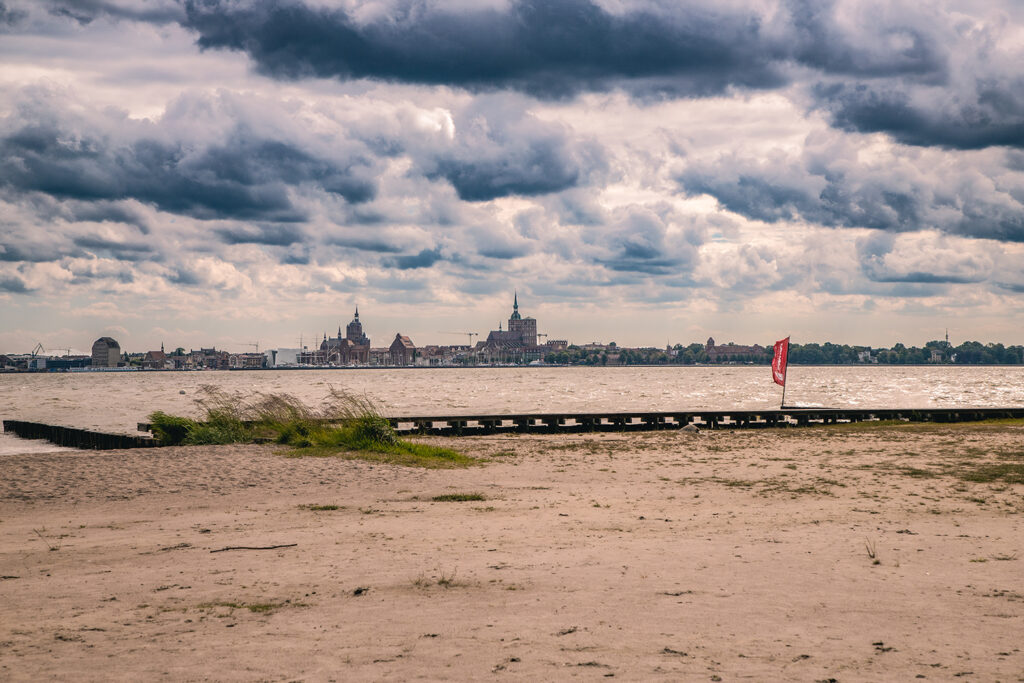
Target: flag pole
(780, 366)
(784, 373)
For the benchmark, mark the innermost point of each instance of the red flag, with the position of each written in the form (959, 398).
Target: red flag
(779, 361)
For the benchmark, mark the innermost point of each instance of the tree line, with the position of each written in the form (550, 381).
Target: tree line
(967, 353)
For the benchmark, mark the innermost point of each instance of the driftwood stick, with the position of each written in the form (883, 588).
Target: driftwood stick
(251, 547)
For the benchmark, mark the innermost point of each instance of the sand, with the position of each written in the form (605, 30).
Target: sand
(807, 555)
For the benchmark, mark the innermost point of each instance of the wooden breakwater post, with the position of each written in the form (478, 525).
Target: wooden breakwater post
(71, 437)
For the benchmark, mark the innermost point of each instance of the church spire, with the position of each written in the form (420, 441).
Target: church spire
(515, 307)
(357, 311)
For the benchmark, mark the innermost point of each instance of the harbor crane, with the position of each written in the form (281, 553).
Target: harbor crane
(256, 344)
(38, 349)
(468, 334)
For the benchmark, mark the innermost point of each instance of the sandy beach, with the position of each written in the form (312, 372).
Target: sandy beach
(854, 553)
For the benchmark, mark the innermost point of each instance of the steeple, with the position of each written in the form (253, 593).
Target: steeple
(515, 308)
(357, 311)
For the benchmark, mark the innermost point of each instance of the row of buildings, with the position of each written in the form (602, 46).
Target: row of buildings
(515, 343)
(518, 343)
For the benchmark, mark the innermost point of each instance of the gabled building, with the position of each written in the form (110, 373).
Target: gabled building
(402, 351)
(106, 353)
(156, 360)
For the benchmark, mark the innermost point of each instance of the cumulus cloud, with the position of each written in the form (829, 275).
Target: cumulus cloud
(547, 49)
(499, 149)
(832, 182)
(923, 258)
(109, 157)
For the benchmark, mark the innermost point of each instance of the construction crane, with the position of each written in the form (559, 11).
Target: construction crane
(468, 334)
(542, 334)
(256, 344)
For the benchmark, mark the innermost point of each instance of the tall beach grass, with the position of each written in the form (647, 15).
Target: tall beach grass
(343, 422)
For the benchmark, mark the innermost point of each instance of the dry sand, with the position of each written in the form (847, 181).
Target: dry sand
(672, 556)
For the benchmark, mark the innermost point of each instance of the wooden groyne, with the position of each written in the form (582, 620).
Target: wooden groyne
(568, 423)
(76, 438)
(558, 423)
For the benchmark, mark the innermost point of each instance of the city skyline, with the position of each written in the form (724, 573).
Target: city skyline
(345, 329)
(222, 173)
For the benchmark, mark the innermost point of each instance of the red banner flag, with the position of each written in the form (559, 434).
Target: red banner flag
(779, 361)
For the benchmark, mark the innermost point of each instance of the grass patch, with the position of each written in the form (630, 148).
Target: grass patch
(407, 453)
(1009, 472)
(321, 508)
(916, 472)
(921, 426)
(458, 497)
(342, 424)
(254, 607)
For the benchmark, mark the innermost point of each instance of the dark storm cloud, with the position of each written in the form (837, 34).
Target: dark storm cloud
(920, 73)
(8, 16)
(899, 56)
(105, 212)
(991, 116)
(545, 48)
(826, 189)
(534, 170)
(243, 178)
(274, 234)
(501, 149)
(424, 259)
(903, 46)
(29, 251)
(13, 285)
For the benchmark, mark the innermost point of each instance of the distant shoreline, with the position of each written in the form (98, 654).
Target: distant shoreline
(135, 371)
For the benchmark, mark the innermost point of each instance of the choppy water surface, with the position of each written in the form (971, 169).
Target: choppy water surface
(117, 401)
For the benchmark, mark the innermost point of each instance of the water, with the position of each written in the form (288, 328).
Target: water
(116, 402)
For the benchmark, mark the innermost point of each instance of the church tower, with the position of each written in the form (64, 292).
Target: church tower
(524, 328)
(354, 331)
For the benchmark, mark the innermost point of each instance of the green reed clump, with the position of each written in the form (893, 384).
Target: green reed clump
(343, 422)
(170, 430)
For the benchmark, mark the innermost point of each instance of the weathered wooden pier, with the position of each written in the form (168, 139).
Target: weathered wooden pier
(569, 423)
(559, 423)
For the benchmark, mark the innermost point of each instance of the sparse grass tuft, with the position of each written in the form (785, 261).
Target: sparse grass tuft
(321, 508)
(254, 607)
(458, 497)
(445, 580)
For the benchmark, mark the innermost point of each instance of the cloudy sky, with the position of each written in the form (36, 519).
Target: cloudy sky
(224, 172)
